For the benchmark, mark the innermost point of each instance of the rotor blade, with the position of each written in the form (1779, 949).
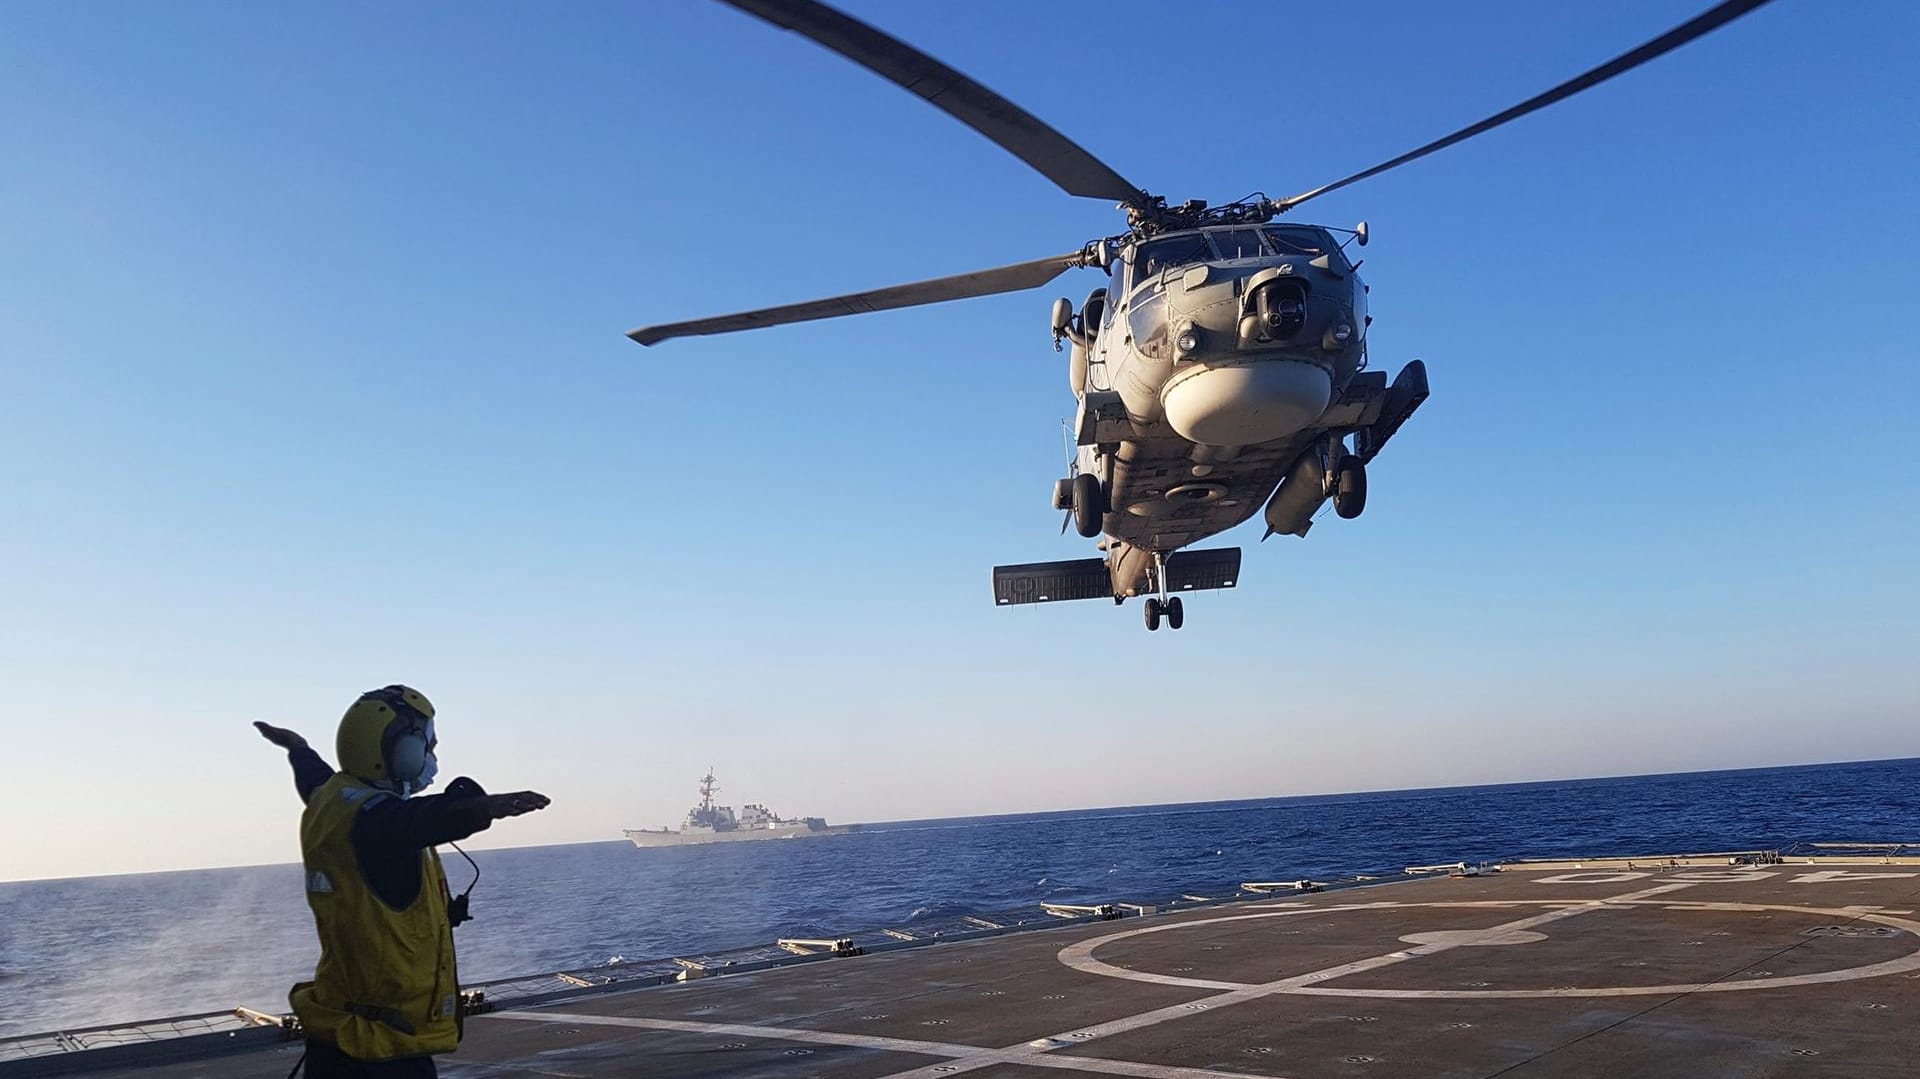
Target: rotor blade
(1699, 26)
(1019, 132)
(1014, 278)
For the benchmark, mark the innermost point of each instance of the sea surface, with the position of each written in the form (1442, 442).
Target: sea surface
(97, 950)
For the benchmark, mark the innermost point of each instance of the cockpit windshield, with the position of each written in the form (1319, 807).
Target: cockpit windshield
(1237, 243)
(1296, 240)
(1170, 252)
(1157, 255)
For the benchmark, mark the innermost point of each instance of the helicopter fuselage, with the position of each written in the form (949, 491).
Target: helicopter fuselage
(1220, 370)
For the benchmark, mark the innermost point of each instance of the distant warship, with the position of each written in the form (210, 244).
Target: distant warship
(709, 823)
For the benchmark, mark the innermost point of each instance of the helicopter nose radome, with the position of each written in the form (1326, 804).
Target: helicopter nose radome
(1244, 403)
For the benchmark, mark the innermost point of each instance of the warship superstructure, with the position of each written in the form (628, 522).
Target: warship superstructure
(709, 823)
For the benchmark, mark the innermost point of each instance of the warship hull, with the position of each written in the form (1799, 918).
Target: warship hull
(710, 823)
(1685, 966)
(663, 838)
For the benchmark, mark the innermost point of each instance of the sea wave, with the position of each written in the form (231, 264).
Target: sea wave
(164, 944)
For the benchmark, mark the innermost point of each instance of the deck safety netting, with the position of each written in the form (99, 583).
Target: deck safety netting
(153, 1030)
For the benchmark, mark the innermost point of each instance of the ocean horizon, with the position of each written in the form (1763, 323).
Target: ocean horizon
(1085, 812)
(86, 951)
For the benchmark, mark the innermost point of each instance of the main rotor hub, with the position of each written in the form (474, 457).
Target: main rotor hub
(1152, 215)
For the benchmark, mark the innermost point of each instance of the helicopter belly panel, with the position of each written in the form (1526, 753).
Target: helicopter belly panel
(1163, 498)
(1240, 404)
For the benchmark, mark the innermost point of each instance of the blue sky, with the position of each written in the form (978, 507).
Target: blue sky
(310, 328)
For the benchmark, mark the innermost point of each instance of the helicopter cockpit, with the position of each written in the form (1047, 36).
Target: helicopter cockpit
(1139, 275)
(1154, 257)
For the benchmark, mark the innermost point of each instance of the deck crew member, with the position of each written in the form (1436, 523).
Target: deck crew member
(385, 996)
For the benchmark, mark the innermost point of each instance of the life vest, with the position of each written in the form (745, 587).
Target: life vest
(386, 985)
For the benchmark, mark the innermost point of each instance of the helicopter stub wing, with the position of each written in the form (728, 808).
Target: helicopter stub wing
(1189, 571)
(1015, 278)
(1090, 578)
(1047, 582)
(1016, 130)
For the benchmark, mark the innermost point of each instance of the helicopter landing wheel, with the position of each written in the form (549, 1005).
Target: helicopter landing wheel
(1350, 488)
(1175, 616)
(1153, 614)
(1089, 504)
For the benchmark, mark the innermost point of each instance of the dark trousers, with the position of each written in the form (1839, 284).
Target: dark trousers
(326, 1061)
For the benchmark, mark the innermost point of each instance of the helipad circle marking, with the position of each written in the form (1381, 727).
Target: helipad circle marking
(1080, 956)
(1475, 938)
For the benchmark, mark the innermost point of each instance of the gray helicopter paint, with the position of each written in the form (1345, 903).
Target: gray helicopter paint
(1167, 490)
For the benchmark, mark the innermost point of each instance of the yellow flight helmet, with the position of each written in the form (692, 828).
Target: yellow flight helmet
(385, 735)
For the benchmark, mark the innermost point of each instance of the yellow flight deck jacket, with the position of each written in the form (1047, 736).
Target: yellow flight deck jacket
(386, 985)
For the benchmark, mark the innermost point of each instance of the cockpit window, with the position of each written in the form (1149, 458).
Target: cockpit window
(1294, 240)
(1237, 243)
(1158, 255)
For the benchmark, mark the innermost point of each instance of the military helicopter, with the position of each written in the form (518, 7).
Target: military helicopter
(1223, 365)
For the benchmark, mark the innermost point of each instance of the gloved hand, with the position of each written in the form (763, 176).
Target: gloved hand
(280, 736)
(512, 805)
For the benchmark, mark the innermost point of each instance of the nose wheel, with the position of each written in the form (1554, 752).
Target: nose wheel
(1163, 606)
(1168, 609)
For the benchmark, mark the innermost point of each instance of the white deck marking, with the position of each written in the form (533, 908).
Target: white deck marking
(1036, 1058)
(1079, 956)
(1725, 876)
(963, 1057)
(1299, 983)
(1474, 938)
(743, 1030)
(1592, 876)
(1830, 875)
(1901, 965)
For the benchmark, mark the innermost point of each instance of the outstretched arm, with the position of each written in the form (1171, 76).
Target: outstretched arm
(309, 770)
(432, 819)
(391, 832)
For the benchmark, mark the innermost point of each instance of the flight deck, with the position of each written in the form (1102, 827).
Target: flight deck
(1750, 964)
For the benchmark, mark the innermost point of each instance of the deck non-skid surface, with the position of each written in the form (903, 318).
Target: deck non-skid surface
(1777, 970)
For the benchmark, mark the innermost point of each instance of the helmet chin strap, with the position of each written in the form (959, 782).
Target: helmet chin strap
(397, 787)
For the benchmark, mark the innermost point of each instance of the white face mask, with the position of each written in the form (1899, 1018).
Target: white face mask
(429, 768)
